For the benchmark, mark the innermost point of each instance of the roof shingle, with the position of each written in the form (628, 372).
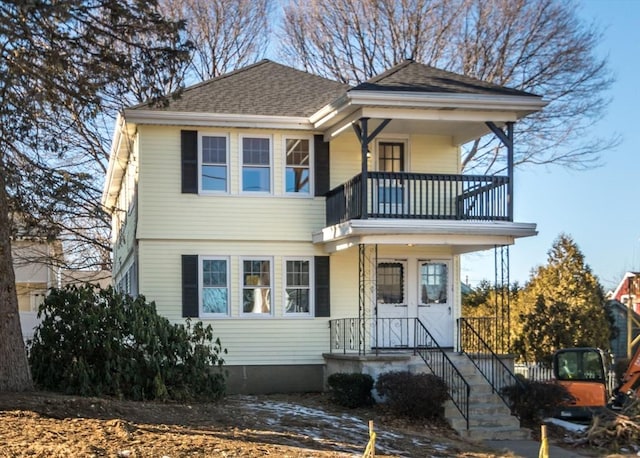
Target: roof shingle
(265, 88)
(411, 76)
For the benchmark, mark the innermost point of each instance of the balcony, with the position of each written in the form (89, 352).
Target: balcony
(419, 196)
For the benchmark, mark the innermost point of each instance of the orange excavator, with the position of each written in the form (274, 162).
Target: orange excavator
(630, 386)
(584, 372)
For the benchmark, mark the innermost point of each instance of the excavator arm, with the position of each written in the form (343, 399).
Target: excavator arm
(631, 378)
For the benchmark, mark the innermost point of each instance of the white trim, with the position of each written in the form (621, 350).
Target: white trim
(311, 312)
(311, 192)
(115, 167)
(187, 118)
(201, 259)
(449, 291)
(446, 100)
(241, 137)
(271, 313)
(205, 133)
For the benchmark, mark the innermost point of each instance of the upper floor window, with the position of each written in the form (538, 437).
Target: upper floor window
(214, 165)
(256, 164)
(298, 286)
(215, 286)
(298, 160)
(256, 286)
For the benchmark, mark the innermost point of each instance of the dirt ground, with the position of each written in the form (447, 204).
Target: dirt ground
(51, 425)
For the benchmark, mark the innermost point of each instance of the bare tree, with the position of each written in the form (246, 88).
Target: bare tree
(225, 34)
(56, 60)
(537, 46)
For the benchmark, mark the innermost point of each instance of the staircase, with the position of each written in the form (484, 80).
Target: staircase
(489, 417)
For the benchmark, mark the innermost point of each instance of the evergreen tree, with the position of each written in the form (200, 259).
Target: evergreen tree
(562, 305)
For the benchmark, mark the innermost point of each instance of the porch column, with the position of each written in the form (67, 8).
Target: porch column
(507, 140)
(362, 131)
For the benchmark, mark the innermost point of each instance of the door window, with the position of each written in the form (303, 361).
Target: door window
(433, 283)
(390, 283)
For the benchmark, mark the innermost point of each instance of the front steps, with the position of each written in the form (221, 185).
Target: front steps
(489, 417)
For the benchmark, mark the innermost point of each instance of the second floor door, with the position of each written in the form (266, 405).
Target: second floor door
(390, 193)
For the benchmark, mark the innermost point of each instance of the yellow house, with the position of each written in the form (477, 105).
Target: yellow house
(309, 221)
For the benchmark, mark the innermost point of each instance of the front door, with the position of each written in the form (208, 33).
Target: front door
(434, 300)
(390, 328)
(390, 190)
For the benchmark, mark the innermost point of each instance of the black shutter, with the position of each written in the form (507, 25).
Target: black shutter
(189, 160)
(321, 165)
(322, 297)
(190, 285)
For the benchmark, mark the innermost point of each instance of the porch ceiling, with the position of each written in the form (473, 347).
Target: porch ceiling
(461, 236)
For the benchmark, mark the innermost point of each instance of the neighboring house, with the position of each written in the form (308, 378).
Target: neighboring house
(35, 273)
(621, 316)
(628, 291)
(306, 219)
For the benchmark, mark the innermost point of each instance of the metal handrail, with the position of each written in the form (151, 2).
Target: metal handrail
(440, 364)
(492, 368)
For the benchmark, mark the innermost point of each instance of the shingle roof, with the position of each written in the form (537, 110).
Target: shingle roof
(265, 88)
(412, 76)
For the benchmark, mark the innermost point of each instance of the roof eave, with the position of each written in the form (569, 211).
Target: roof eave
(113, 169)
(518, 103)
(179, 118)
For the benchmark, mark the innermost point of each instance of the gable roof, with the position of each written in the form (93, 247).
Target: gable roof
(265, 88)
(411, 76)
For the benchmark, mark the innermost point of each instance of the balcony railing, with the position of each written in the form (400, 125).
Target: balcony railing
(408, 195)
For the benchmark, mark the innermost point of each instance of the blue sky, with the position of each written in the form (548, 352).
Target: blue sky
(595, 207)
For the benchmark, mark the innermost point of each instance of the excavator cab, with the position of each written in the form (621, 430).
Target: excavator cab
(583, 372)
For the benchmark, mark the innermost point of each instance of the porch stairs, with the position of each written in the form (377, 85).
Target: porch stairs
(489, 417)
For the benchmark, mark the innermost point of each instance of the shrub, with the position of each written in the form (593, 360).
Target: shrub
(98, 342)
(531, 401)
(351, 390)
(414, 396)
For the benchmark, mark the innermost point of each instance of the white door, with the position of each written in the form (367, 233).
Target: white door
(391, 327)
(435, 302)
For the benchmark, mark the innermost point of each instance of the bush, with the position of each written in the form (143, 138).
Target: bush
(415, 396)
(532, 401)
(98, 342)
(351, 390)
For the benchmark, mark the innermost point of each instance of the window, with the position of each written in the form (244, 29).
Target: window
(433, 283)
(215, 286)
(213, 168)
(390, 283)
(256, 164)
(297, 286)
(390, 157)
(298, 160)
(256, 286)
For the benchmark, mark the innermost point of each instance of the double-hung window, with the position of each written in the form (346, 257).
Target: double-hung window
(215, 286)
(256, 286)
(297, 287)
(256, 164)
(298, 166)
(214, 166)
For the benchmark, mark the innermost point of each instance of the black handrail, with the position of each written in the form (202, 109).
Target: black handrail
(440, 364)
(492, 368)
(388, 334)
(409, 195)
